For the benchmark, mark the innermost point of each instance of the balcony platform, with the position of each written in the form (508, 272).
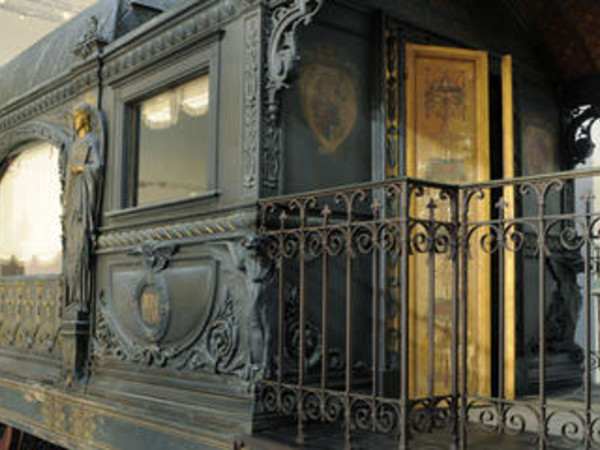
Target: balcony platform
(324, 437)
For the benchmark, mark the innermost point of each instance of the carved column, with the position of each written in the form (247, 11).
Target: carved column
(252, 102)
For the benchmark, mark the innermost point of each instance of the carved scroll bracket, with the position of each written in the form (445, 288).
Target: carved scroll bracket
(282, 54)
(579, 123)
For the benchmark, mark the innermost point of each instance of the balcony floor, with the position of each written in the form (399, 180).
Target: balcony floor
(329, 438)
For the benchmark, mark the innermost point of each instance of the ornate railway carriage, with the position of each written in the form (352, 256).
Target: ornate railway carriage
(219, 218)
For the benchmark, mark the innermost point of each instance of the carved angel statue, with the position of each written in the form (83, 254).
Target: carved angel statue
(82, 202)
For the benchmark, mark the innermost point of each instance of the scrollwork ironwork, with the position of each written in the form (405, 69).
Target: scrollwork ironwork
(536, 218)
(312, 335)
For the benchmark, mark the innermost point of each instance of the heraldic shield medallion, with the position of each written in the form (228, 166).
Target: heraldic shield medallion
(329, 98)
(158, 302)
(153, 306)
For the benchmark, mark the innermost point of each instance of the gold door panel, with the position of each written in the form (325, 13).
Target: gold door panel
(447, 141)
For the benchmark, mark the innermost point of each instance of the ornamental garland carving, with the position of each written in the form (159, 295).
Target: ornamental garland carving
(251, 136)
(152, 305)
(218, 349)
(282, 54)
(109, 343)
(235, 337)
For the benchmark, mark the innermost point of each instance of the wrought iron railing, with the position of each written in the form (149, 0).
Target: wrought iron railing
(421, 310)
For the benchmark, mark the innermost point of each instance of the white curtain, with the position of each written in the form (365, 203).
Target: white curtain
(162, 111)
(30, 211)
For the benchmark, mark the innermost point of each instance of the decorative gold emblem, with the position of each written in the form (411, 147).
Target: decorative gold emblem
(150, 306)
(153, 306)
(445, 102)
(329, 98)
(445, 97)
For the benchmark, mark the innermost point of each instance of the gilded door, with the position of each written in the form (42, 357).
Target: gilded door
(447, 140)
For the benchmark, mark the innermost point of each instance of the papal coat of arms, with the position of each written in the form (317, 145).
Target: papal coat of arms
(329, 98)
(445, 102)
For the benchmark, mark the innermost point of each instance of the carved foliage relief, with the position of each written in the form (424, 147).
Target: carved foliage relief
(30, 316)
(252, 41)
(282, 55)
(178, 312)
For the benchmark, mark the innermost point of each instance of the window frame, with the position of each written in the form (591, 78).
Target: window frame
(168, 74)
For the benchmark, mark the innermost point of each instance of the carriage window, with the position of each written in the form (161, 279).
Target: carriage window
(30, 213)
(171, 143)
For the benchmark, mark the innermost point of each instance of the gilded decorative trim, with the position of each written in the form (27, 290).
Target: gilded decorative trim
(68, 417)
(99, 411)
(392, 105)
(392, 170)
(52, 410)
(178, 231)
(30, 315)
(252, 55)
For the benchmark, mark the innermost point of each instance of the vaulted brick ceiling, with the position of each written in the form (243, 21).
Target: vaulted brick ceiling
(568, 29)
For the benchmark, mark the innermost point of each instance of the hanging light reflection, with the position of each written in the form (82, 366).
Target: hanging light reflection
(195, 97)
(162, 111)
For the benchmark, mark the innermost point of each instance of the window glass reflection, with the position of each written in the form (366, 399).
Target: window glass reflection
(30, 214)
(172, 140)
